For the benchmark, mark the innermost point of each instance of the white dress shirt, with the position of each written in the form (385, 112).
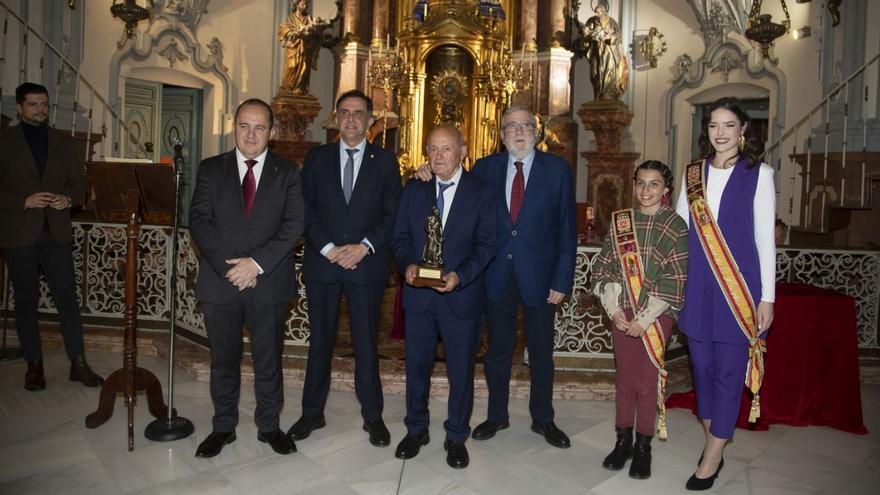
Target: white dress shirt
(764, 206)
(243, 168)
(358, 159)
(448, 194)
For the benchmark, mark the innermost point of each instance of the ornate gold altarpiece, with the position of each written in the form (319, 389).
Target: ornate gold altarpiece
(465, 57)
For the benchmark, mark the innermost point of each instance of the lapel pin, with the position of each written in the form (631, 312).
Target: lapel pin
(372, 155)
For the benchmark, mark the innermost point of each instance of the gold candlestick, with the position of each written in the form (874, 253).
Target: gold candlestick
(386, 70)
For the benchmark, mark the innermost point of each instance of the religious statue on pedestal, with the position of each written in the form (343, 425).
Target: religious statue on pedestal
(300, 35)
(609, 71)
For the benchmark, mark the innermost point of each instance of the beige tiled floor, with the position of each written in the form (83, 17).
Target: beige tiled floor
(45, 448)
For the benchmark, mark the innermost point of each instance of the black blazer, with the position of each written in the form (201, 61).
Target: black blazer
(218, 225)
(19, 179)
(370, 213)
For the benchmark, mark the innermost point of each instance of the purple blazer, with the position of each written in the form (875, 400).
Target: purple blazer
(706, 315)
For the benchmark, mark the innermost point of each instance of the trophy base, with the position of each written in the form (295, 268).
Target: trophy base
(427, 276)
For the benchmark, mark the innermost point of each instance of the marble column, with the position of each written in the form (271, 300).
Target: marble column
(611, 186)
(350, 18)
(353, 67)
(529, 24)
(381, 12)
(551, 100)
(557, 22)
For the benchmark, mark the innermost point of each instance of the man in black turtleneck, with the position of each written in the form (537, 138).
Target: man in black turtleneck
(40, 179)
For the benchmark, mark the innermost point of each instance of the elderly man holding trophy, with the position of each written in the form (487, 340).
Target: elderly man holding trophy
(443, 240)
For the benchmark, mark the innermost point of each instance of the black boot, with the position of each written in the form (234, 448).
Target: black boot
(80, 372)
(640, 468)
(623, 450)
(34, 378)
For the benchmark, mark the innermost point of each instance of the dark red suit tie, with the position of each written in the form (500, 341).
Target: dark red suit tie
(517, 191)
(249, 188)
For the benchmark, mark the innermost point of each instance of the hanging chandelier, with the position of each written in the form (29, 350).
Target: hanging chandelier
(763, 30)
(130, 13)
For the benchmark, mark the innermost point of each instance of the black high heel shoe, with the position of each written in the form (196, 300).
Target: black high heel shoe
(700, 484)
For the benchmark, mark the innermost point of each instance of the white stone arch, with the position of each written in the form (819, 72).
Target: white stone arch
(730, 67)
(168, 52)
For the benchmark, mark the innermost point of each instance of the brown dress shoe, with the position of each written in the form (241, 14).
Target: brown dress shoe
(34, 379)
(80, 372)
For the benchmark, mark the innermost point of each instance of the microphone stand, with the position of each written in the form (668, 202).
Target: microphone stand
(172, 427)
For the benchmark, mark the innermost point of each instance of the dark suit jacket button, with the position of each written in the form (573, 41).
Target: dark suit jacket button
(510, 256)
(513, 233)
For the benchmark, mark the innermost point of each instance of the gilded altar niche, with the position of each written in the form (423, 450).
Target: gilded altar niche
(452, 52)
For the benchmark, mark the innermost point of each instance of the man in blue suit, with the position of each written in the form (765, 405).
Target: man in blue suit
(534, 267)
(452, 312)
(351, 189)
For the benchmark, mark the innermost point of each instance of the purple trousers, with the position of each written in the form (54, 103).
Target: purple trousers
(719, 371)
(636, 379)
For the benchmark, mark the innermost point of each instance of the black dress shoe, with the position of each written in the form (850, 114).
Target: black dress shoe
(379, 435)
(623, 450)
(456, 454)
(215, 442)
(487, 429)
(280, 443)
(552, 434)
(411, 444)
(695, 484)
(80, 372)
(34, 378)
(640, 468)
(304, 427)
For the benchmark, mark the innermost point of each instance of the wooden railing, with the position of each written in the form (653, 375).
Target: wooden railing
(836, 157)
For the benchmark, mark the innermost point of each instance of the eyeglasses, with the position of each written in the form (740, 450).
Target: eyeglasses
(345, 114)
(519, 126)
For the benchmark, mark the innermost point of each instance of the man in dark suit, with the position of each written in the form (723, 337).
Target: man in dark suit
(246, 216)
(534, 267)
(351, 190)
(41, 177)
(453, 312)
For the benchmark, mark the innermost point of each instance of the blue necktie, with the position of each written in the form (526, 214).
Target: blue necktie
(441, 202)
(348, 175)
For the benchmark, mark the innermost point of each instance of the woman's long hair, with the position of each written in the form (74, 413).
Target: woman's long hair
(749, 152)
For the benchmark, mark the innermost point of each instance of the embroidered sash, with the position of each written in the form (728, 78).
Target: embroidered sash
(626, 245)
(729, 278)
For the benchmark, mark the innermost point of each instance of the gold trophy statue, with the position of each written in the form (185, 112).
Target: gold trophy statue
(429, 272)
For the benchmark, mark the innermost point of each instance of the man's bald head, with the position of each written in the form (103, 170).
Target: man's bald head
(445, 149)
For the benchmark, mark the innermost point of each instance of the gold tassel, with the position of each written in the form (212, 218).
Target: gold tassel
(662, 433)
(755, 410)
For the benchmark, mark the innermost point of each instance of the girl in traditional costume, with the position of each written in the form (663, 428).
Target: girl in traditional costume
(639, 277)
(729, 201)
